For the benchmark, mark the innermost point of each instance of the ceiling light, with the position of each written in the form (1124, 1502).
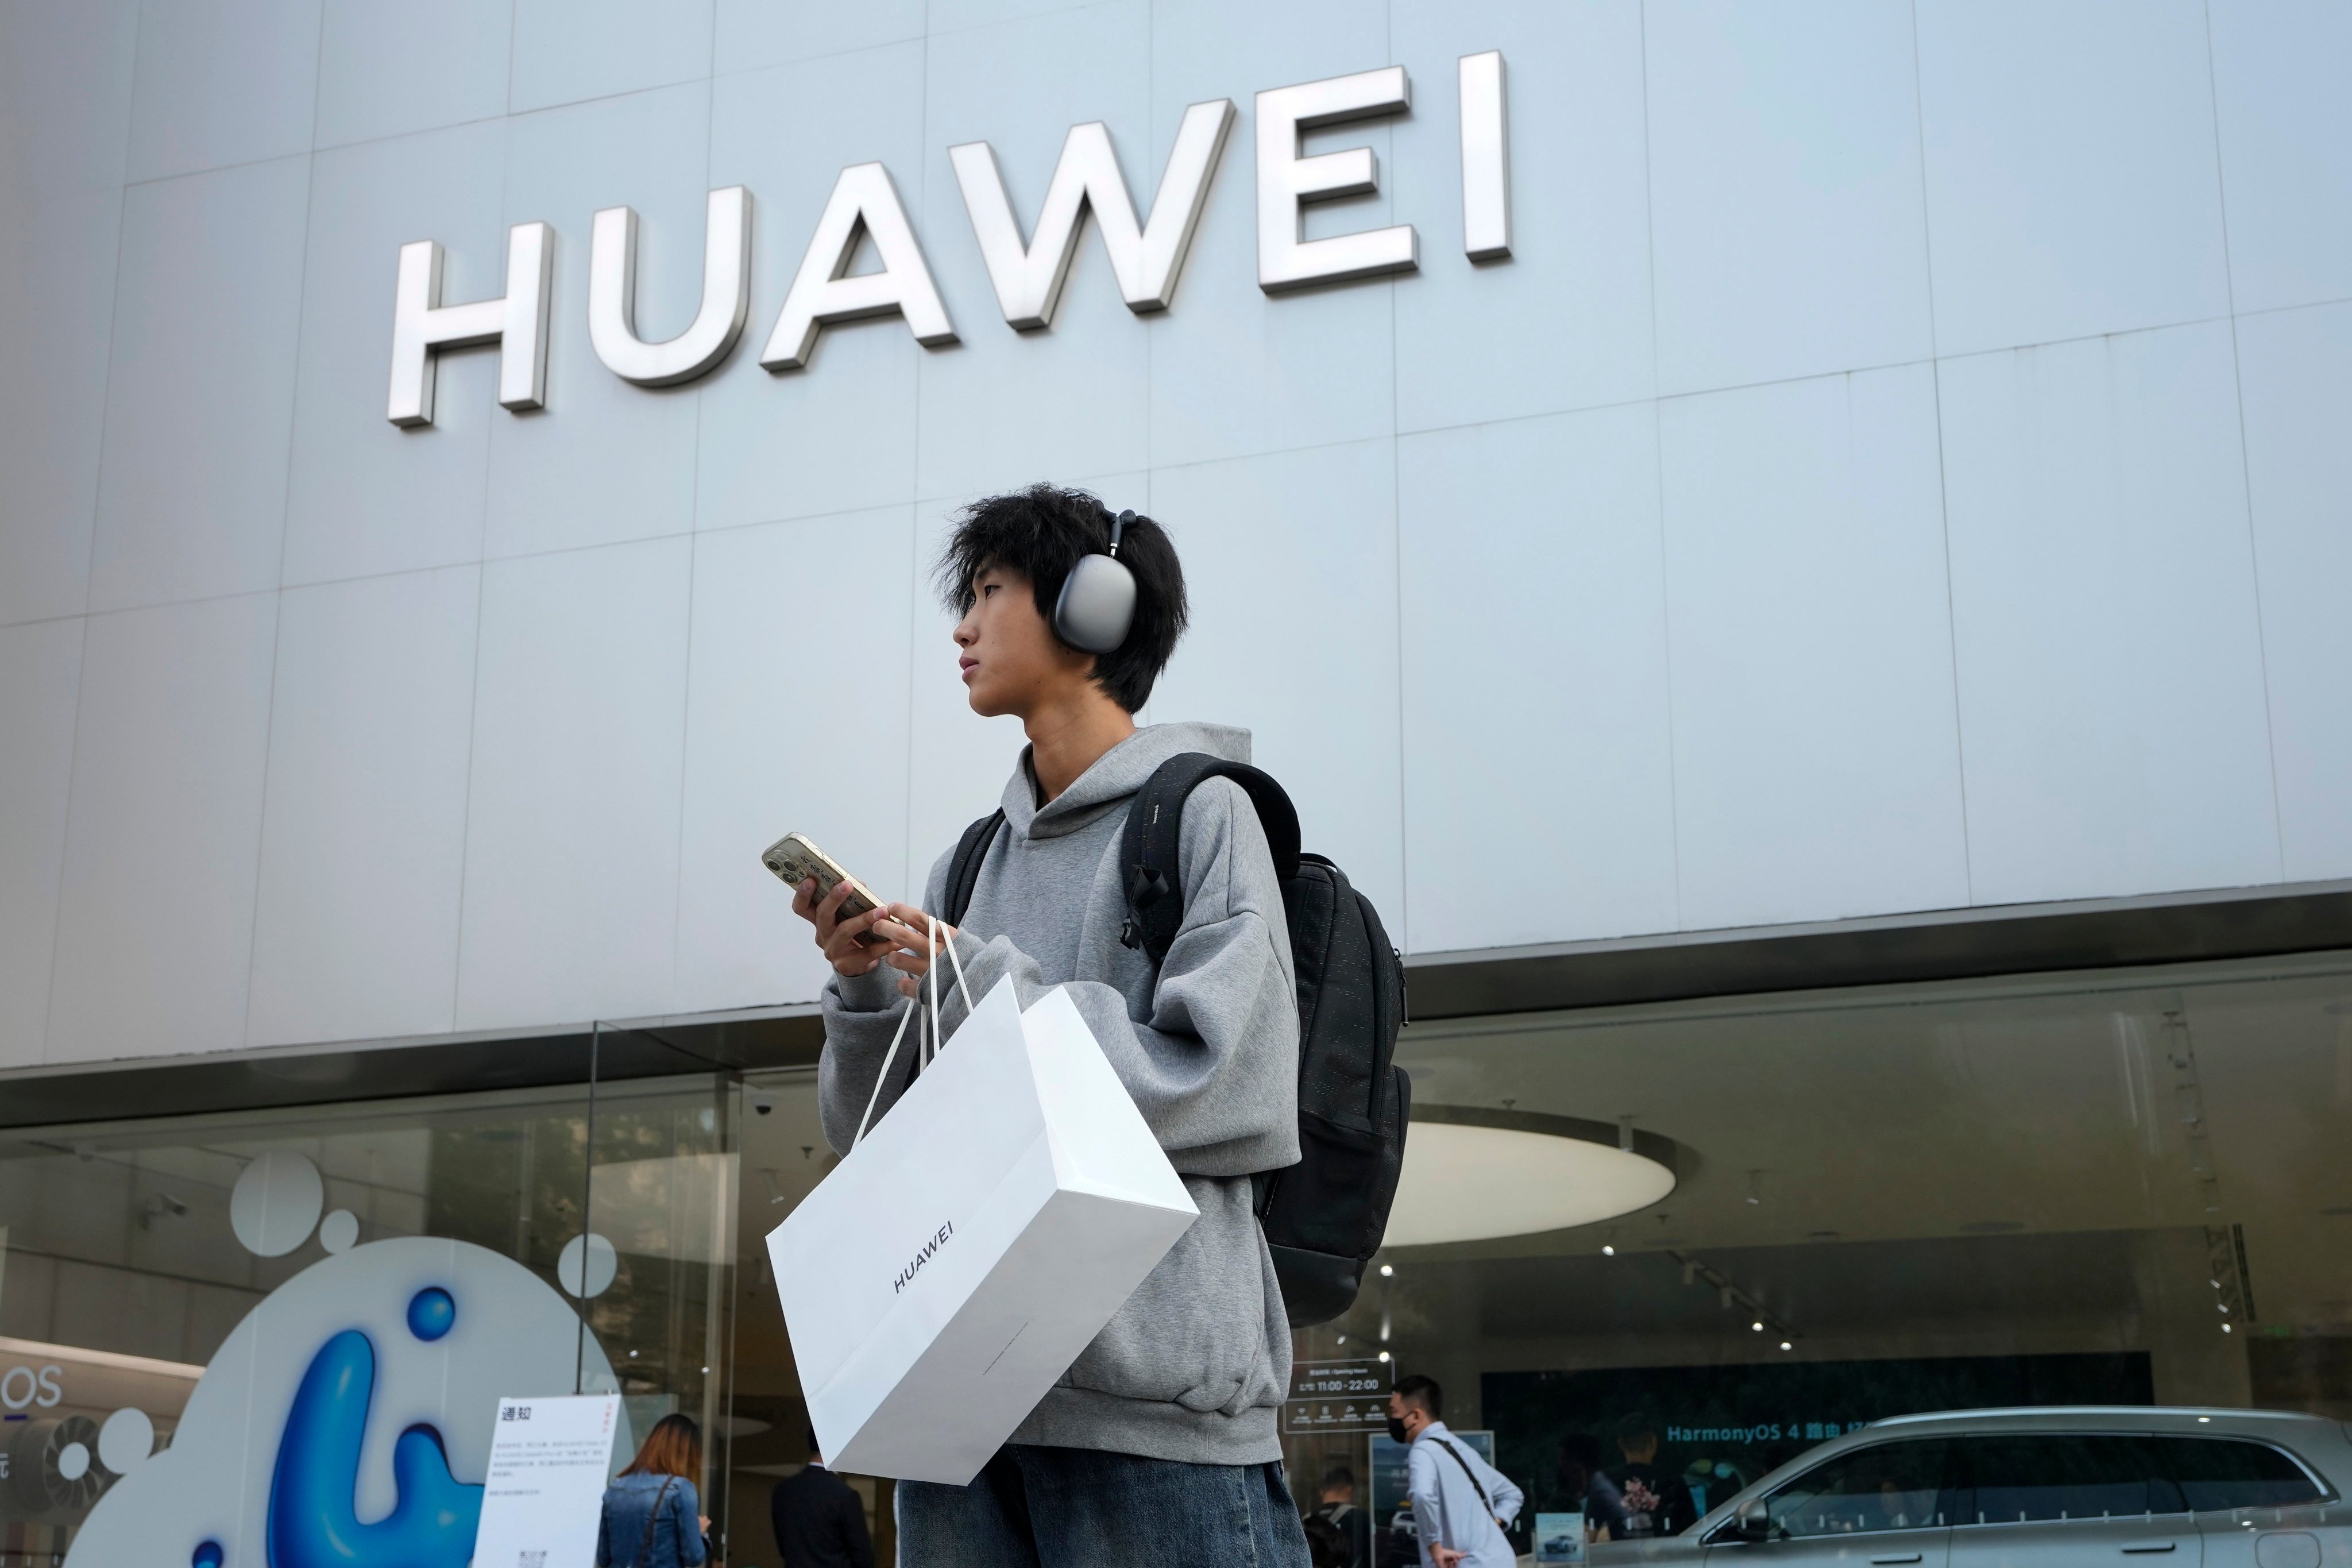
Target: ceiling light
(1384, 1355)
(1388, 1270)
(1757, 1327)
(2225, 1328)
(1343, 1338)
(2203, 1420)
(1471, 1173)
(1607, 1250)
(1784, 1344)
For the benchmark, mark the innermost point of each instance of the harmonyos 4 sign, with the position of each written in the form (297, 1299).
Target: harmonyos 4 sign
(1146, 256)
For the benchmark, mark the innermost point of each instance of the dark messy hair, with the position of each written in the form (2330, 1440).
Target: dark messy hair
(1419, 1389)
(1041, 532)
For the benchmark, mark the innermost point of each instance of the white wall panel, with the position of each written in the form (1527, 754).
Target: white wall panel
(2112, 707)
(566, 51)
(57, 306)
(366, 496)
(1566, 664)
(606, 460)
(755, 34)
(1565, 324)
(1786, 208)
(1539, 777)
(1008, 408)
(155, 919)
(795, 723)
(64, 98)
(2296, 372)
(1295, 639)
(571, 903)
(2286, 148)
(1233, 370)
(838, 435)
(221, 82)
(364, 835)
(389, 70)
(953, 16)
(200, 395)
(2073, 186)
(1816, 749)
(40, 679)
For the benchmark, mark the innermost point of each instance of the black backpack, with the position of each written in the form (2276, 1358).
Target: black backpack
(1323, 1216)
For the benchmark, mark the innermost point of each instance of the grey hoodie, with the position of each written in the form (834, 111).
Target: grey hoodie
(1195, 1366)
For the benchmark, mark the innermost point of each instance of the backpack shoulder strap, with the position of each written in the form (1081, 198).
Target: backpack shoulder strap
(963, 871)
(1155, 826)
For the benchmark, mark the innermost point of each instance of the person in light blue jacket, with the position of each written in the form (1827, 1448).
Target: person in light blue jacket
(652, 1515)
(1461, 1504)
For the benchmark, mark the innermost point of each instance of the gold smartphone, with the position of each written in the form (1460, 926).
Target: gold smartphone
(796, 858)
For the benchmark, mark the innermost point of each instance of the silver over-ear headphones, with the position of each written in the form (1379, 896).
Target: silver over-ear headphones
(1097, 603)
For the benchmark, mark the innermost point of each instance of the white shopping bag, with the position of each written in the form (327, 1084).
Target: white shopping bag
(971, 1246)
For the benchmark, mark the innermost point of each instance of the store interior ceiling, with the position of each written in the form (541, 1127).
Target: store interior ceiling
(2069, 1162)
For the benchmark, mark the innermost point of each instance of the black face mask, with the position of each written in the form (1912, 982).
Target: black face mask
(1397, 1432)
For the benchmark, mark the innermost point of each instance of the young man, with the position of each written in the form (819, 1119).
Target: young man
(1160, 1444)
(819, 1521)
(1461, 1504)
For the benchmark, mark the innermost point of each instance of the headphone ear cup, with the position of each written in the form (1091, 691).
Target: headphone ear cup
(1096, 607)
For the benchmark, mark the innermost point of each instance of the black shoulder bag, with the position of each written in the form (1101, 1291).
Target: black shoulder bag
(1483, 1501)
(663, 1496)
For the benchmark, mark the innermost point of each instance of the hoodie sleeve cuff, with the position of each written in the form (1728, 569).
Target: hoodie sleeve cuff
(876, 991)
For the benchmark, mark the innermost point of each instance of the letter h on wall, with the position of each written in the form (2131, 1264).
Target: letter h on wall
(422, 326)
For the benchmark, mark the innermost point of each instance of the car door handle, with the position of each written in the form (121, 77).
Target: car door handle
(2138, 1546)
(1903, 1557)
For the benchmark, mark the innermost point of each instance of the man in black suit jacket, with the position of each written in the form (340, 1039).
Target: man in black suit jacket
(820, 1522)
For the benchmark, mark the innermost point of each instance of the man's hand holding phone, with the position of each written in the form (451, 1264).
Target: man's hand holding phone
(849, 945)
(912, 936)
(893, 934)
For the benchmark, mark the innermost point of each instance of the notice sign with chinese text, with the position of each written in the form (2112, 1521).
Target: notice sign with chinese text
(544, 1494)
(1336, 1397)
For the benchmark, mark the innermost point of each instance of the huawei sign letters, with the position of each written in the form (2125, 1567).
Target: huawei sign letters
(1146, 256)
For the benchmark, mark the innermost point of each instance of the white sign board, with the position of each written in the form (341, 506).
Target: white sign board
(545, 1492)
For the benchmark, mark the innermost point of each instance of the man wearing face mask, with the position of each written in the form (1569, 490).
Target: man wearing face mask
(1461, 1504)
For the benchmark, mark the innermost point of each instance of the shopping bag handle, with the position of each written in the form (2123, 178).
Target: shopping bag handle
(913, 1006)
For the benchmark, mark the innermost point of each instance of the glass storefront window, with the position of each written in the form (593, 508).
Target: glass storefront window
(1650, 1254)
(2119, 1189)
(173, 1294)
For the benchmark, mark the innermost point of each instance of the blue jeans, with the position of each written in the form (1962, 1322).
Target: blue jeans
(1079, 1508)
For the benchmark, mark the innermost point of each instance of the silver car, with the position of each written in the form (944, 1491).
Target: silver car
(2047, 1487)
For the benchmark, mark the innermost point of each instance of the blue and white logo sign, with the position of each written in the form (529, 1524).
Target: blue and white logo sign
(347, 1422)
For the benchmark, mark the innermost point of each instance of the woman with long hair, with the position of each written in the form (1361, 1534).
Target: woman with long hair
(653, 1516)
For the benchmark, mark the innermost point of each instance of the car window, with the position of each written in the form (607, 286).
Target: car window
(1889, 1486)
(2062, 1476)
(2223, 1473)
